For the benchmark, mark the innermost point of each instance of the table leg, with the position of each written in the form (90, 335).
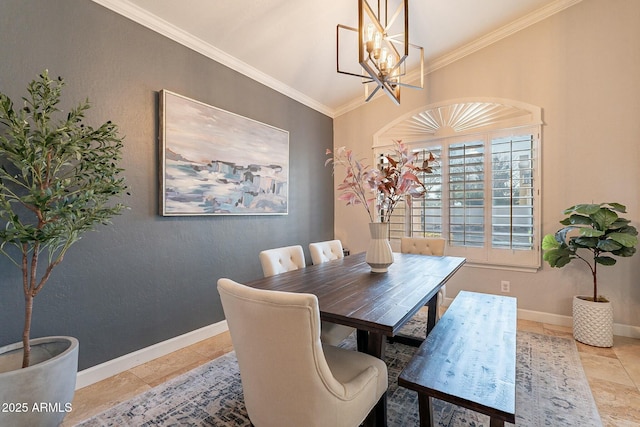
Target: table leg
(376, 345)
(362, 341)
(431, 322)
(371, 343)
(431, 315)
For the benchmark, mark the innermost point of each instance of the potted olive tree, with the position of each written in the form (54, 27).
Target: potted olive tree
(593, 234)
(57, 177)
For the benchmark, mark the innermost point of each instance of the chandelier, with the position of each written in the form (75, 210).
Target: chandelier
(383, 48)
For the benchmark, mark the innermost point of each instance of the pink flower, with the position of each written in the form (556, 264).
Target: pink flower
(394, 181)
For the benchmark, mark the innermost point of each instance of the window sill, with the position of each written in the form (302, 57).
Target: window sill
(522, 269)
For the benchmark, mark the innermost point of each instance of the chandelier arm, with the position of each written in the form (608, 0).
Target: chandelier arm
(390, 22)
(391, 93)
(355, 75)
(408, 85)
(345, 27)
(373, 92)
(373, 75)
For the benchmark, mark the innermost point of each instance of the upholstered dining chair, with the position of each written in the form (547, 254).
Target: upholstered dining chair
(423, 245)
(289, 378)
(332, 333)
(280, 260)
(325, 251)
(426, 246)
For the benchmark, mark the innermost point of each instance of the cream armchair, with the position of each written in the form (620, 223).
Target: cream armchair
(280, 260)
(289, 378)
(426, 246)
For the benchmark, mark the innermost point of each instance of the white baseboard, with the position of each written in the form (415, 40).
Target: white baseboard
(113, 367)
(557, 319)
(542, 317)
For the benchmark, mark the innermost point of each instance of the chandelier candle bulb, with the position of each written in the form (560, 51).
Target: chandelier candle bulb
(377, 44)
(370, 32)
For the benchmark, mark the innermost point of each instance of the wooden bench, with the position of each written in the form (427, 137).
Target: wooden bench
(468, 359)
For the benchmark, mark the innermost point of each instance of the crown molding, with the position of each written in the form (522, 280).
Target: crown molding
(155, 23)
(476, 45)
(501, 33)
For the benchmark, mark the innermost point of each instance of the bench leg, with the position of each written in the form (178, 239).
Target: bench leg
(425, 410)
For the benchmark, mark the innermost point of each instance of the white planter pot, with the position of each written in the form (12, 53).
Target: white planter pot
(379, 254)
(593, 322)
(41, 394)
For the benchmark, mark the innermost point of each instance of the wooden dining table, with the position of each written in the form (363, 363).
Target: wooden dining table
(378, 305)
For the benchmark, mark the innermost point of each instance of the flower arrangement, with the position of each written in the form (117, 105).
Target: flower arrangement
(395, 180)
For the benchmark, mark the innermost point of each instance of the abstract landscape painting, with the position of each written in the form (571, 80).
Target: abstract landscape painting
(214, 162)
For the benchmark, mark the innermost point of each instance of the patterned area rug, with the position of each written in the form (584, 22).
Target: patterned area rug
(551, 390)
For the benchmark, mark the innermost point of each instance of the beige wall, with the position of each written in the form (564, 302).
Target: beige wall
(582, 66)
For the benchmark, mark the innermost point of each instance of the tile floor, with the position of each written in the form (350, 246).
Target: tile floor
(613, 373)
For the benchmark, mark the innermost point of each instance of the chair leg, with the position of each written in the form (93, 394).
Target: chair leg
(378, 415)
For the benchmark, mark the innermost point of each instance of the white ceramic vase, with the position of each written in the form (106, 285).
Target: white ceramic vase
(379, 255)
(593, 322)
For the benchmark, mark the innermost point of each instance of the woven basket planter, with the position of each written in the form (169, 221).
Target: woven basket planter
(593, 322)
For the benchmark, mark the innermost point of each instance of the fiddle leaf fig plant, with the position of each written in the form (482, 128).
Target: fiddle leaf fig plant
(594, 234)
(57, 177)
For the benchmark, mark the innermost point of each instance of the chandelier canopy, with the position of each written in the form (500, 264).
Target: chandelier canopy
(383, 47)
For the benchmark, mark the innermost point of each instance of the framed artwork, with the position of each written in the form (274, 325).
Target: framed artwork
(214, 162)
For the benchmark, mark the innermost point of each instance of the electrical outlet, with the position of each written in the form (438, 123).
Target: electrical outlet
(505, 286)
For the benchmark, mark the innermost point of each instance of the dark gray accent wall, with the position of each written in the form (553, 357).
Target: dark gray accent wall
(148, 278)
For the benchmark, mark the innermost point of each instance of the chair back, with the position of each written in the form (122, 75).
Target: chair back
(325, 251)
(331, 333)
(284, 372)
(280, 260)
(423, 245)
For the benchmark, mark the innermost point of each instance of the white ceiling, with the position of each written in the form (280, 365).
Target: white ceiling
(290, 45)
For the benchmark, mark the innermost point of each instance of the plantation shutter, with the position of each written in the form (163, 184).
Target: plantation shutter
(512, 213)
(466, 194)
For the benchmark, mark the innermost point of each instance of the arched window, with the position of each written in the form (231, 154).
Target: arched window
(484, 195)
